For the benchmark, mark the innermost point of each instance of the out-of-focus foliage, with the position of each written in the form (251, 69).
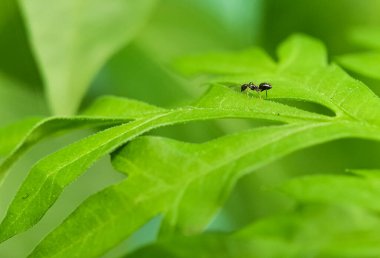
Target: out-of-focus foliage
(327, 20)
(343, 229)
(11, 92)
(16, 56)
(71, 49)
(62, 55)
(364, 63)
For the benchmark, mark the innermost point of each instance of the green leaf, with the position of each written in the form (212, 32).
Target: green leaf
(367, 64)
(366, 173)
(207, 173)
(216, 167)
(70, 50)
(368, 37)
(364, 63)
(11, 110)
(335, 222)
(53, 173)
(297, 77)
(106, 111)
(206, 245)
(314, 231)
(16, 55)
(110, 106)
(7, 9)
(210, 169)
(362, 192)
(301, 54)
(12, 135)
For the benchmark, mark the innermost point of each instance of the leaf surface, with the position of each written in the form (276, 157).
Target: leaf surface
(106, 111)
(301, 74)
(50, 175)
(71, 49)
(189, 195)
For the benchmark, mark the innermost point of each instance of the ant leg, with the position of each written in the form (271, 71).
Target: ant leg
(247, 92)
(266, 94)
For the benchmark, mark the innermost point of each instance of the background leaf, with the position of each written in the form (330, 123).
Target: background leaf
(333, 189)
(327, 212)
(365, 63)
(17, 60)
(71, 49)
(367, 37)
(287, 235)
(322, 19)
(16, 99)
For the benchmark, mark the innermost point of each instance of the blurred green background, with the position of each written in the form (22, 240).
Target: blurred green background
(142, 69)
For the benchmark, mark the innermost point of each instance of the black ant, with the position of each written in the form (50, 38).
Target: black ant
(264, 86)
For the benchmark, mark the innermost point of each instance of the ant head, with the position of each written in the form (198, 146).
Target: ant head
(244, 87)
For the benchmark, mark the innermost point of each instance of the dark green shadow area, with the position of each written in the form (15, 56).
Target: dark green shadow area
(17, 59)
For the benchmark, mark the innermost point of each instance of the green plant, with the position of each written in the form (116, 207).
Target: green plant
(188, 183)
(203, 170)
(364, 63)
